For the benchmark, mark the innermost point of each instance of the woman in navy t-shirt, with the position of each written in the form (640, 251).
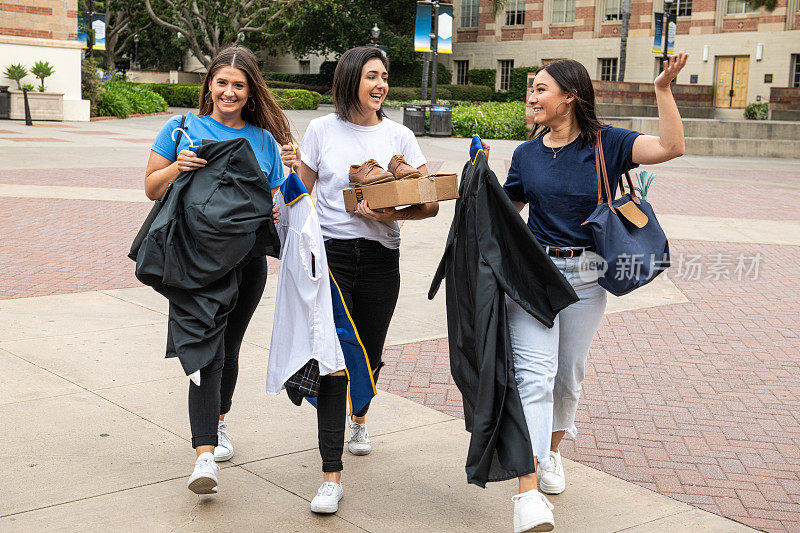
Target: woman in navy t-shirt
(234, 103)
(554, 174)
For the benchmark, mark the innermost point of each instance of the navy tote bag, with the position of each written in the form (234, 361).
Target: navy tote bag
(626, 234)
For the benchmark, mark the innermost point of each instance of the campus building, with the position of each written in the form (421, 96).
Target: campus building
(740, 50)
(45, 30)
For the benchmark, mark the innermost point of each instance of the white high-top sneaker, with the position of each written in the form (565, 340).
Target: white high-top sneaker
(551, 480)
(224, 449)
(532, 512)
(204, 478)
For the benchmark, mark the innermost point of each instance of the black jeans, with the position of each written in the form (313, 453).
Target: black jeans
(218, 379)
(368, 274)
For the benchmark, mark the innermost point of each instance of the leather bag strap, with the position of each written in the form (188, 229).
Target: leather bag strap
(602, 177)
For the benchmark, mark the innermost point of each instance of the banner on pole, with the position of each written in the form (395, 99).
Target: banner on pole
(422, 28)
(658, 38)
(445, 41)
(672, 29)
(99, 27)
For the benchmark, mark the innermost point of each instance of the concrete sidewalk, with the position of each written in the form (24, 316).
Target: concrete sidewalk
(99, 434)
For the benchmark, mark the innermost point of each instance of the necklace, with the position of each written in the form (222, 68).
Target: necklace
(555, 152)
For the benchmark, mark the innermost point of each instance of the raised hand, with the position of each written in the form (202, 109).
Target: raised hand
(671, 68)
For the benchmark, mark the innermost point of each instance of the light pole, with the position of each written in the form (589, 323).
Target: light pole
(136, 49)
(375, 32)
(434, 49)
(667, 3)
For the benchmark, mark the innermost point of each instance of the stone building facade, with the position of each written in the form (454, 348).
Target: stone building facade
(740, 50)
(45, 30)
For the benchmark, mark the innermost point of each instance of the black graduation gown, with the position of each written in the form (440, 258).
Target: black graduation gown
(209, 224)
(491, 253)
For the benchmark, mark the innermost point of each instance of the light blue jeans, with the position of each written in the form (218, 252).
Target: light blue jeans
(549, 363)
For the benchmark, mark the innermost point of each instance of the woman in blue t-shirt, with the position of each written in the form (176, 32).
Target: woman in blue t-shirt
(554, 173)
(234, 103)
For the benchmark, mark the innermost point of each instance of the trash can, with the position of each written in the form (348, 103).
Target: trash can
(414, 118)
(441, 121)
(5, 101)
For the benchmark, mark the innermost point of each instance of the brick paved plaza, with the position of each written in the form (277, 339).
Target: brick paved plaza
(696, 398)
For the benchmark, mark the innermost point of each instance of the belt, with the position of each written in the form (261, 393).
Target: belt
(565, 253)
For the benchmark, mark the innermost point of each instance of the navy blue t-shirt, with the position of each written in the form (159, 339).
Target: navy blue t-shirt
(561, 192)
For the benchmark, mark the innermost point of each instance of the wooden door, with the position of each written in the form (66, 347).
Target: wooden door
(722, 92)
(731, 86)
(741, 71)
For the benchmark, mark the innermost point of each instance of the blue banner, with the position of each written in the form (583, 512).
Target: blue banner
(658, 38)
(672, 29)
(422, 28)
(445, 44)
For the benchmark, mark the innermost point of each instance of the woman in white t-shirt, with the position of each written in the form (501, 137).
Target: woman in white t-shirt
(362, 248)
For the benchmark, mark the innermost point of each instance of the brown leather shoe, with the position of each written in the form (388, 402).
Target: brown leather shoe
(369, 173)
(402, 170)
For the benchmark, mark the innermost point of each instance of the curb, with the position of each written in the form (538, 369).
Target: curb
(133, 115)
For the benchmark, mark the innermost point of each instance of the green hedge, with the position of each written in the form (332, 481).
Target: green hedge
(482, 76)
(757, 111)
(121, 99)
(297, 98)
(176, 95)
(499, 120)
(475, 93)
(411, 75)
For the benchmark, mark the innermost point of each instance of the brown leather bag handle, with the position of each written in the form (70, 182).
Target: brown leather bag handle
(602, 176)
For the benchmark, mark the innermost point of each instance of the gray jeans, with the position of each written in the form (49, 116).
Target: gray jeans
(549, 363)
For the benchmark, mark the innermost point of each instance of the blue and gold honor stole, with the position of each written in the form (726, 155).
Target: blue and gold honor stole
(293, 189)
(362, 384)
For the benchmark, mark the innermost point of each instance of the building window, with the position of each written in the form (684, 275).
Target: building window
(506, 66)
(682, 7)
(462, 72)
(469, 13)
(563, 11)
(740, 6)
(608, 69)
(613, 10)
(515, 12)
(305, 67)
(795, 80)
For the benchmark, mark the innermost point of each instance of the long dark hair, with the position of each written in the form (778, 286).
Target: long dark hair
(572, 77)
(347, 80)
(261, 109)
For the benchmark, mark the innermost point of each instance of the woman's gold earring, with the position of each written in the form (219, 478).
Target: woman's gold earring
(208, 97)
(568, 110)
(251, 101)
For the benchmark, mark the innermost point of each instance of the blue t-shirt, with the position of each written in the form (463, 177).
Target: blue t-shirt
(561, 192)
(200, 128)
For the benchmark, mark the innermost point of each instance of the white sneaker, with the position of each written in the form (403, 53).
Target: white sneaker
(359, 443)
(532, 512)
(551, 480)
(224, 449)
(327, 498)
(204, 478)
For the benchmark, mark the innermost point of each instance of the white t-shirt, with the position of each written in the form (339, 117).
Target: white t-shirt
(329, 147)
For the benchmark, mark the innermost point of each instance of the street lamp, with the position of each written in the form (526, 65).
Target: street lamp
(667, 3)
(375, 32)
(136, 49)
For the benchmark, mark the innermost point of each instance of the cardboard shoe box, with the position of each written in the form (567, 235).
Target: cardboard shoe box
(412, 191)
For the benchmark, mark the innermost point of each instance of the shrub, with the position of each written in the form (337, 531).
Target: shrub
(176, 95)
(411, 75)
(297, 98)
(475, 93)
(482, 76)
(499, 121)
(121, 99)
(518, 83)
(326, 99)
(757, 111)
(90, 85)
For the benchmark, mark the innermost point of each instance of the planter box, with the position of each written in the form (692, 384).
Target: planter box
(44, 106)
